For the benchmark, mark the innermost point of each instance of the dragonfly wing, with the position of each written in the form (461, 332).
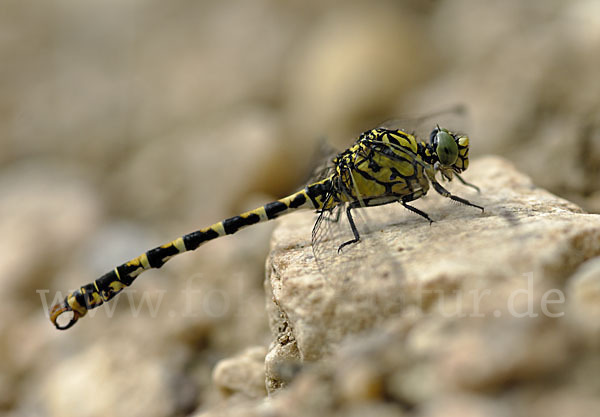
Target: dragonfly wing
(371, 255)
(452, 118)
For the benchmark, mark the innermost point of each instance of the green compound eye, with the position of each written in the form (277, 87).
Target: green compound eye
(446, 149)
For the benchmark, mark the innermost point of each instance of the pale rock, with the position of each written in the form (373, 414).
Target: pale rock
(501, 263)
(243, 374)
(100, 380)
(583, 295)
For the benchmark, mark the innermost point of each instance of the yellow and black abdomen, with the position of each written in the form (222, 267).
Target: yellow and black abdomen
(112, 283)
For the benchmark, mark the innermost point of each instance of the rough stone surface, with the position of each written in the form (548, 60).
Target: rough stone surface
(484, 303)
(506, 260)
(243, 374)
(118, 391)
(583, 292)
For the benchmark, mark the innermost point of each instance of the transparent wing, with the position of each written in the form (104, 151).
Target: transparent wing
(369, 257)
(372, 256)
(329, 232)
(452, 118)
(323, 166)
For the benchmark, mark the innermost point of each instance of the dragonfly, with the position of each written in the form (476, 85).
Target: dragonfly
(383, 166)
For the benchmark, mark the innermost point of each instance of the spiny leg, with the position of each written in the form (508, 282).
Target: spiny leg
(354, 230)
(441, 190)
(417, 211)
(468, 184)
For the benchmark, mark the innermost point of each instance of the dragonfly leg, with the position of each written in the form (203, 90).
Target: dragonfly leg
(468, 184)
(441, 190)
(354, 230)
(417, 211)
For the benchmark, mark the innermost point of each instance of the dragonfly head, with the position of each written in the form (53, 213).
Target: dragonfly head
(451, 149)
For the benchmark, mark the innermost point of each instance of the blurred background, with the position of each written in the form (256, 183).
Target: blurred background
(124, 124)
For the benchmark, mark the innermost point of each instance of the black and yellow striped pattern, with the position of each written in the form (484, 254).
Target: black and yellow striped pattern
(110, 284)
(383, 166)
